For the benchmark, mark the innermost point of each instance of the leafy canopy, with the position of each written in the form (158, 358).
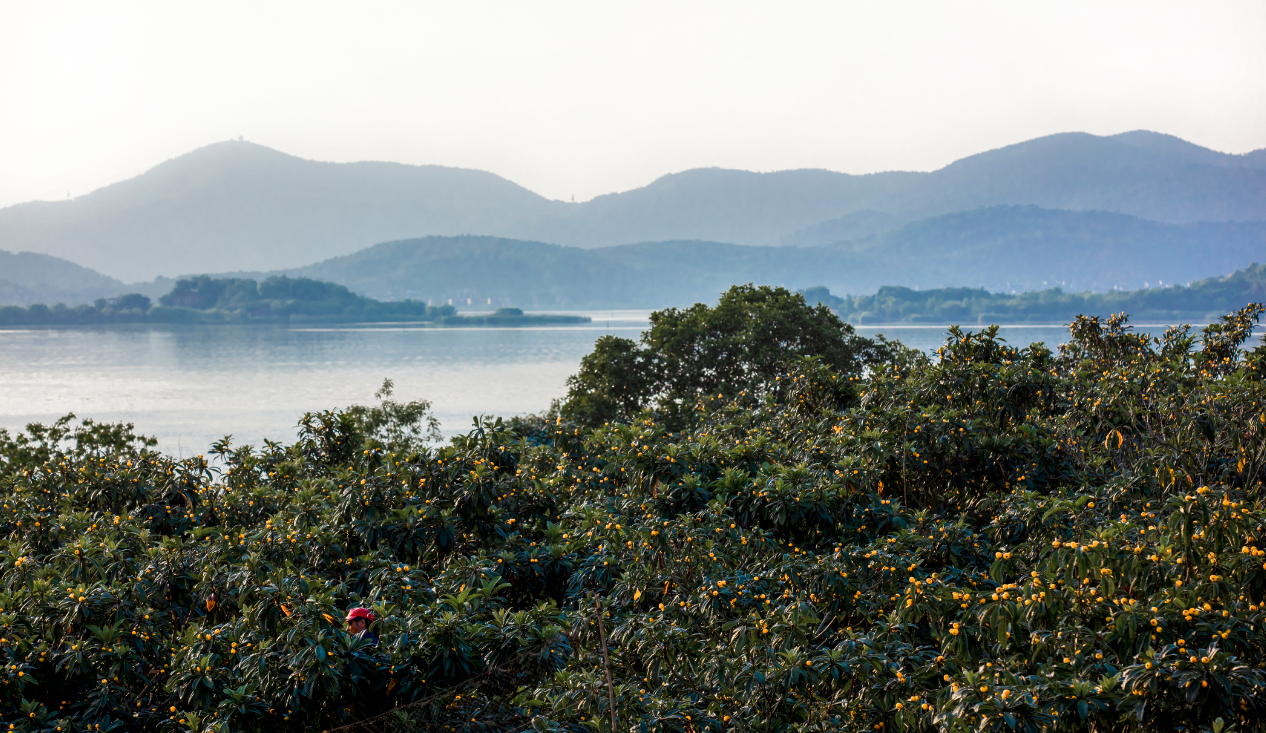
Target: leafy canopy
(1004, 538)
(740, 346)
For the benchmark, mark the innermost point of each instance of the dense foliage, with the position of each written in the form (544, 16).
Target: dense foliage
(278, 299)
(1202, 300)
(998, 539)
(736, 348)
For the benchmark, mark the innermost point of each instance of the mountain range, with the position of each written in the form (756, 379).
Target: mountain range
(240, 206)
(1002, 249)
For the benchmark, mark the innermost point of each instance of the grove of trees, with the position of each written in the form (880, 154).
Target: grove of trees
(277, 300)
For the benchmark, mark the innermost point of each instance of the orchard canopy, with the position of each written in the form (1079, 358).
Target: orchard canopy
(772, 523)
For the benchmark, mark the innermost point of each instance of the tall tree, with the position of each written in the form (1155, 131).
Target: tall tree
(733, 348)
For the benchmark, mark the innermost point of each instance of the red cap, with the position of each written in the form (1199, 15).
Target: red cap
(364, 613)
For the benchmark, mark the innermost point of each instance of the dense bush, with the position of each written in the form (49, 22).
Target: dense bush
(1001, 539)
(735, 348)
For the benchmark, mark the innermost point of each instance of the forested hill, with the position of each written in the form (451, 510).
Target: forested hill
(27, 277)
(474, 270)
(237, 205)
(240, 206)
(1016, 248)
(1202, 301)
(999, 249)
(1002, 248)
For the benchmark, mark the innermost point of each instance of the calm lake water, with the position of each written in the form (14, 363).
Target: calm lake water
(189, 388)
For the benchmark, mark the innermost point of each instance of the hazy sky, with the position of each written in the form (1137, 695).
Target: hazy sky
(590, 97)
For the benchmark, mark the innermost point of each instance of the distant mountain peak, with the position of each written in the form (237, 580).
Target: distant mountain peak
(1134, 149)
(1255, 159)
(236, 205)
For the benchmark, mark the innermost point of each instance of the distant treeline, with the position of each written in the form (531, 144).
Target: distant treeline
(1202, 300)
(277, 299)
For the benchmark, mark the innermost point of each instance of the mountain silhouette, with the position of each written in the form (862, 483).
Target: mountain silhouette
(237, 205)
(1001, 248)
(240, 205)
(27, 277)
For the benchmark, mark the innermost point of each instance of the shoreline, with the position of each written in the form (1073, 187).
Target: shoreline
(445, 322)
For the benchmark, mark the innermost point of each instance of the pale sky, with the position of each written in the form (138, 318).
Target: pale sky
(584, 98)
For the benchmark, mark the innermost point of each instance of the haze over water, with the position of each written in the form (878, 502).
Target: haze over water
(189, 388)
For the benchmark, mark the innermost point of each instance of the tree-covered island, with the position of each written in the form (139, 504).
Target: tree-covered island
(276, 300)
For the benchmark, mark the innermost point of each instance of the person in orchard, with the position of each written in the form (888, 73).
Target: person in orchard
(358, 621)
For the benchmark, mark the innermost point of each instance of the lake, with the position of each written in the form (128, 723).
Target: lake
(191, 387)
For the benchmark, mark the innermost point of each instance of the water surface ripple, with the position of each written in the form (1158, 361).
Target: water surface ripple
(191, 387)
